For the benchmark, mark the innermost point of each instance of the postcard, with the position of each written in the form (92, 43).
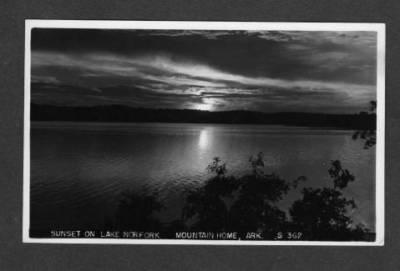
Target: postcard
(205, 133)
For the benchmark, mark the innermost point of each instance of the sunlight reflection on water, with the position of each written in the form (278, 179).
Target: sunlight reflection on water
(204, 139)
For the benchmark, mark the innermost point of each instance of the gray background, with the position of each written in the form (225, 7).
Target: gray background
(17, 256)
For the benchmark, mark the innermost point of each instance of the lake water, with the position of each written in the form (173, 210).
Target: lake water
(80, 170)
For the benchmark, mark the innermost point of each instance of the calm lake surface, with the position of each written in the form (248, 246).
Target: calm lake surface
(80, 170)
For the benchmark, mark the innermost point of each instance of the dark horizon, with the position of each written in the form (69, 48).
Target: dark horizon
(264, 71)
(121, 113)
(365, 111)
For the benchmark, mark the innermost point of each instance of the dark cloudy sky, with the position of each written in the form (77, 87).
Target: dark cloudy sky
(266, 71)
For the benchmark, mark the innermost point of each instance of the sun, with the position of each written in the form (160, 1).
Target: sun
(203, 107)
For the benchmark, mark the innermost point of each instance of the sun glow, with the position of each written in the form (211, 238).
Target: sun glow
(203, 107)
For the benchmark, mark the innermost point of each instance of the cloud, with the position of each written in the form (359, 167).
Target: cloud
(262, 70)
(208, 34)
(275, 54)
(187, 73)
(350, 38)
(44, 79)
(312, 38)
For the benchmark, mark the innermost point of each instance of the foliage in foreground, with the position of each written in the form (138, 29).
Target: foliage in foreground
(249, 203)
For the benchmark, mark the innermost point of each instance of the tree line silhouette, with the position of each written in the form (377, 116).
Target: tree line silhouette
(120, 113)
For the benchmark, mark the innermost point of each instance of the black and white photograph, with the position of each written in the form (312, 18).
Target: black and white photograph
(230, 133)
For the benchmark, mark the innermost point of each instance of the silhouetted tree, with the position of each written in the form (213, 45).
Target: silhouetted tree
(341, 177)
(249, 204)
(217, 167)
(368, 135)
(241, 204)
(323, 213)
(257, 163)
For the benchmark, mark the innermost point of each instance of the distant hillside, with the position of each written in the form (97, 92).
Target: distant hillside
(118, 113)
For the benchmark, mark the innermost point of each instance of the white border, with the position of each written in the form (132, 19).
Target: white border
(185, 25)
